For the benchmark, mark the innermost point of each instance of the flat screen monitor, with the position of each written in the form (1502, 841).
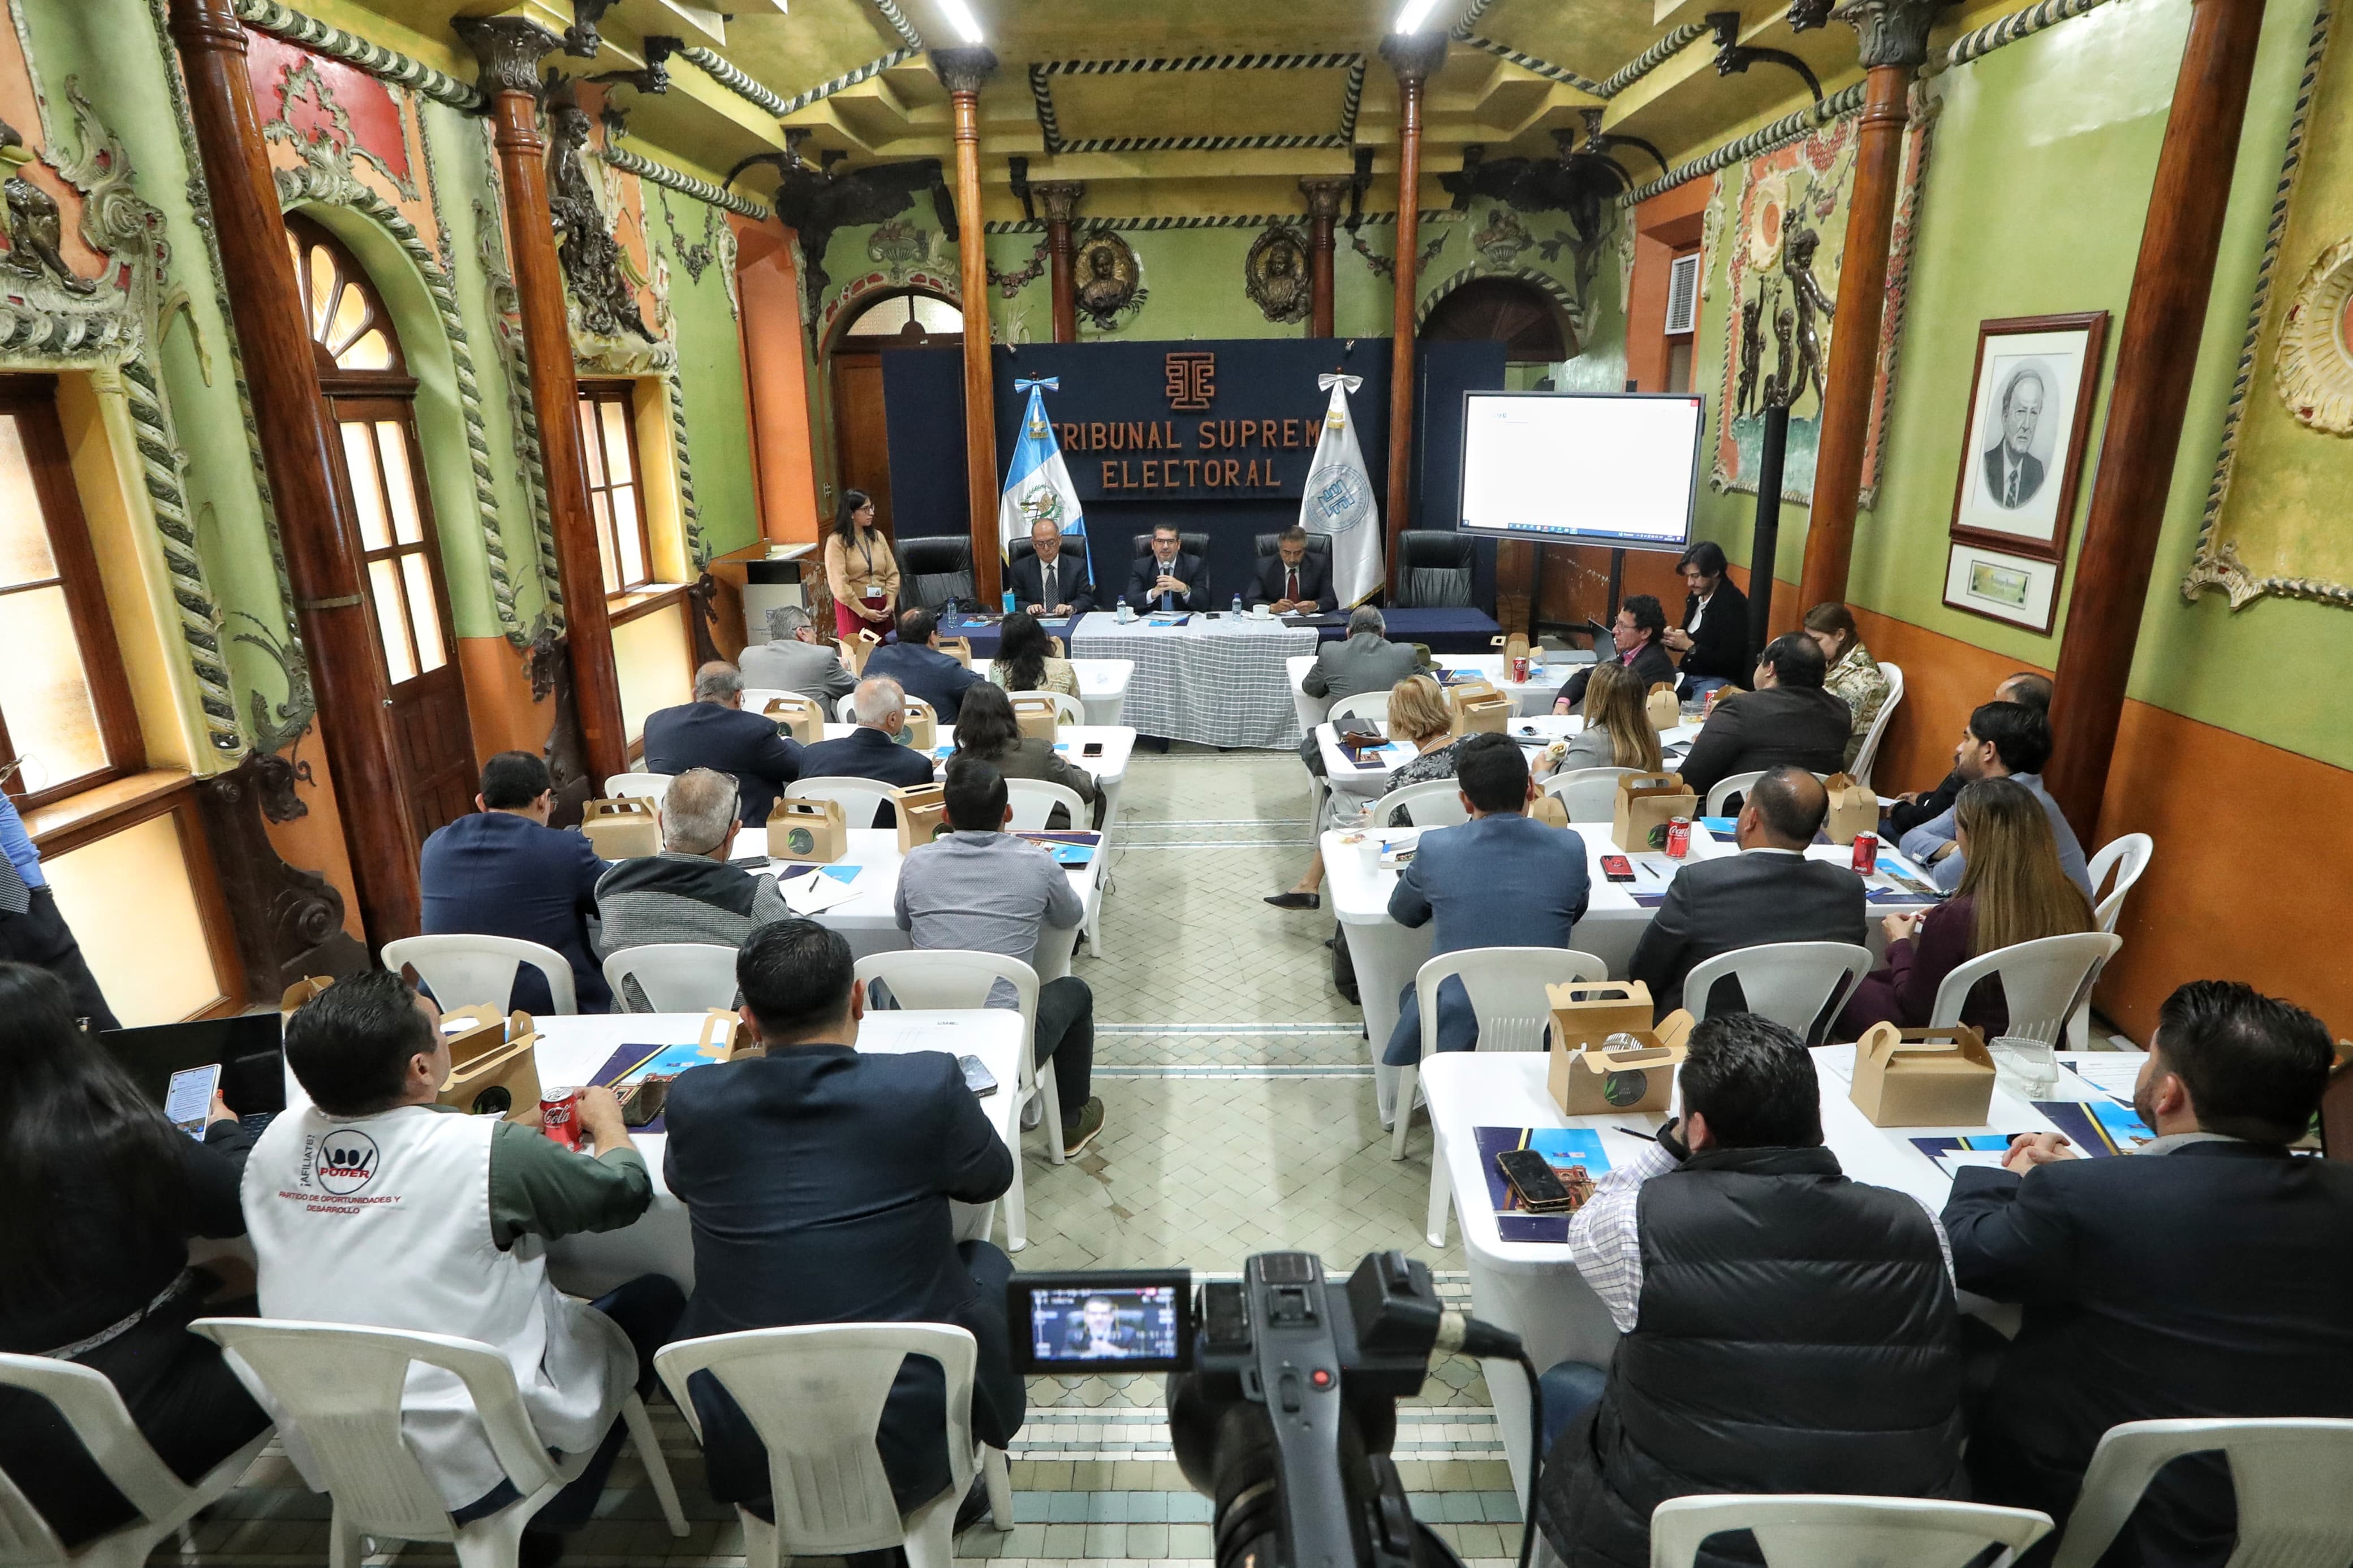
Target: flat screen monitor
(1576, 467)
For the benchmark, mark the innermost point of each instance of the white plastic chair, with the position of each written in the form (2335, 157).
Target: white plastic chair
(676, 976)
(1814, 1530)
(1507, 986)
(1371, 707)
(1590, 795)
(862, 799)
(85, 1400)
(815, 1397)
(1068, 709)
(1433, 802)
(1869, 752)
(2127, 855)
(2294, 1480)
(1794, 983)
(1034, 800)
(1738, 783)
(2044, 981)
(339, 1388)
(479, 971)
(951, 978)
(654, 787)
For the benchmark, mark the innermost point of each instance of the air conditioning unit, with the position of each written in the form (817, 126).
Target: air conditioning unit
(1682, 294)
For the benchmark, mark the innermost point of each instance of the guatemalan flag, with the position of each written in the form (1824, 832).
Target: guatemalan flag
(1038, 482)
(1339, 499)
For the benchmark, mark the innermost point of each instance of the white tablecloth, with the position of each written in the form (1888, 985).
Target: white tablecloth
(1387, 955)
(1103, 686)
(571, 1050)
(1534, 1290)
(1219, 682)
(1533, 696)
(1370, 783)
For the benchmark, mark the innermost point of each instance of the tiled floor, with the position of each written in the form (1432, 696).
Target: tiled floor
(1239, 1119)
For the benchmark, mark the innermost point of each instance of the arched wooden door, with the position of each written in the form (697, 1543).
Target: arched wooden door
(372, 399)
(907, 319)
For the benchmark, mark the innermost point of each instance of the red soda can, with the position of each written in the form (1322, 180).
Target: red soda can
(1866, 853)
(1712, 693)
(1678, 837)
(1520, 669)
(559, 1115)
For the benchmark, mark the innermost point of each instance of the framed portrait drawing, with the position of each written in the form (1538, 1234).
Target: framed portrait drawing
(2030, 415)
(2002, 587)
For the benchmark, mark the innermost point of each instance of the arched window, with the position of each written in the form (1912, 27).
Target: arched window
(1508, 311)
(372, 399)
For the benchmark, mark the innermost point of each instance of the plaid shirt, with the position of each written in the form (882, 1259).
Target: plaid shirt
(1604, 1238)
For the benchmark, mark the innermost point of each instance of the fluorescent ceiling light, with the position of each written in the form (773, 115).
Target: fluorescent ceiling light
(1409, 20)
(960, 15)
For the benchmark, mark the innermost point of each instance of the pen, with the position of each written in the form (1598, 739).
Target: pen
(1638, 1132)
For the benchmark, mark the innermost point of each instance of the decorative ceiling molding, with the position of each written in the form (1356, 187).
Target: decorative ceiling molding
(389, 65)
(1652, 58)
(1530, 63)
(1460, 32)
(1041, 94)
(1789, 127)
(899, 25)
(824, 91)
(1204, 220)
(685, 184)
(729, 75)
(2016, 25)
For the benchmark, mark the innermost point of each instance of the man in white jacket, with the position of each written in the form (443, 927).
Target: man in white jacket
(372, 1206)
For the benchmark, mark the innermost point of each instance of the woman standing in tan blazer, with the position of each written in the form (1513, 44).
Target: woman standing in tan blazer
(861, 571)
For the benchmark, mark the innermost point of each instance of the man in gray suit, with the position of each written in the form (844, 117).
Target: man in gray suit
(1768, 893)
(1365, 661)
(793, 660)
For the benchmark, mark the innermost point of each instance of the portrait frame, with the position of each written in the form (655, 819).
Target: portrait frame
(2061, 355)
(2001, 586)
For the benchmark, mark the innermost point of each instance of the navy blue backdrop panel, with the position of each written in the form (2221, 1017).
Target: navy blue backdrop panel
(1445, 372)
(1214, 437)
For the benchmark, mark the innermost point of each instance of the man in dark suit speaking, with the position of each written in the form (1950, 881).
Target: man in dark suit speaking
(1293, 581)
(1768, 893)
(1167, 578)
(1053, 583)
(2012, 474)
(817, 1179)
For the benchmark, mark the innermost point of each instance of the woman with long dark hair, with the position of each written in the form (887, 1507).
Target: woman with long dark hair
(102, 1195)
(861, 571)
(1026, 661)
(986, 728)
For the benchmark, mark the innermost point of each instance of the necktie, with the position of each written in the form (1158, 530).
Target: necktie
(2010, 495)
(1290, 589)
(16, 898)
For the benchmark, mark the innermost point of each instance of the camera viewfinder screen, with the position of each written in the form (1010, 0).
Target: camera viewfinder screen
(1121, 1322)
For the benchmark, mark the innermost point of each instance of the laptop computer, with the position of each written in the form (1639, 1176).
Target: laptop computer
(250, 1049)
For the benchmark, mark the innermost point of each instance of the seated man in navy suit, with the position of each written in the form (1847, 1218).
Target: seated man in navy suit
(874, 749)
(818, 1180)
(713, 731)
(1052, 583)
(1167, 578)
(504, 873)
(916, 663)
(1500, 879)
(1293, 582)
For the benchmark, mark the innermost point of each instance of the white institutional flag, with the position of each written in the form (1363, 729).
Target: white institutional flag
(1339, 499)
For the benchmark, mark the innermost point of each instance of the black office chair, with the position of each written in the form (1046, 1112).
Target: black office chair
(1317, 544)
(1022, 550)
(934, 571)
(1194, 544)
(1434, 569)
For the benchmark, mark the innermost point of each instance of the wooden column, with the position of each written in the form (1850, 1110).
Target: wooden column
(2156, 352)
(1413, 55)
(1060, 199)
(1324, 193)
(962, 72)
(1894, 42)
(509, 48)
(317, 529)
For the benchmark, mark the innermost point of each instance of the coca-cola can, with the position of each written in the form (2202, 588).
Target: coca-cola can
(1520, 669)
(559, 1115)
(1714, 692)
(1866, 853)
(1678, 837)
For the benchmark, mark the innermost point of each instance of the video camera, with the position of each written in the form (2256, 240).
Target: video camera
(1282, 1392)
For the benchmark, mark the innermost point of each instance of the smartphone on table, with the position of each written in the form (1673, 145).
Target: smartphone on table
(189, 1099)
(1617, 867)
(977, 1077)
(1532, 1178)
(1091, 749)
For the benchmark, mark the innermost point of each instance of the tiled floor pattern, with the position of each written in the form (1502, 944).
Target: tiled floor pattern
(1240, 1120)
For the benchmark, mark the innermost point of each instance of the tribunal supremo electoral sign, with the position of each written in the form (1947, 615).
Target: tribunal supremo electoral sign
(1195, 422)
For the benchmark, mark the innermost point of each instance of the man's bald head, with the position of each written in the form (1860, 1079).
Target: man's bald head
(1790, 806)
(720, 682)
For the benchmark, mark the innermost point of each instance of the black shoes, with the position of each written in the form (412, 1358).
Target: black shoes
(1296, 901)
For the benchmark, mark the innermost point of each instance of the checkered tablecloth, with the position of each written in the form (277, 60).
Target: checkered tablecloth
(1221, 683)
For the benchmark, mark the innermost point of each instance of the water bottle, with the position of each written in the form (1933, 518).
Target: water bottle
(1008, 601)
(1237, 607)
